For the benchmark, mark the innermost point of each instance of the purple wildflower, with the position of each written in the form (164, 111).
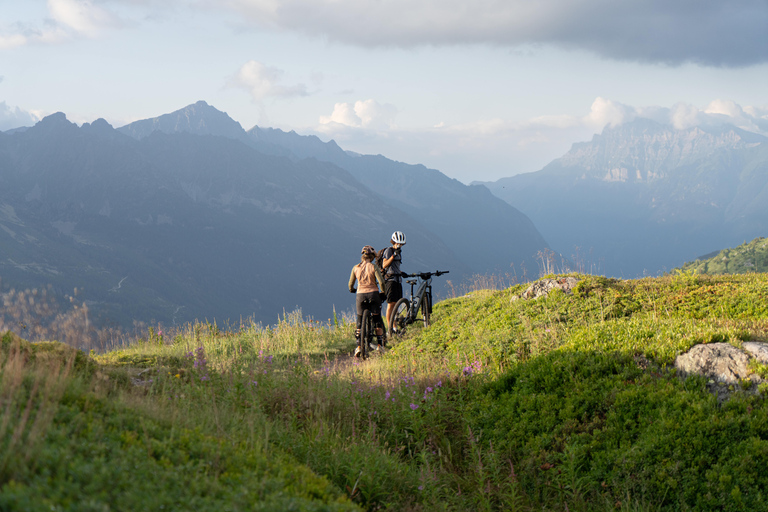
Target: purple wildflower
(414, 407)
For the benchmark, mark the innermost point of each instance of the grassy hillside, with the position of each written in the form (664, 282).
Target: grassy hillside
(748, 257)
(562, 403)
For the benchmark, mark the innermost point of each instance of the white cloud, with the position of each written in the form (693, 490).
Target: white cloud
(15, 117)
(655, 31)
(494, 148)
(683, 116)
(367, 115)
(12, 41)
(606, 112)
(63, 21)
(262, 82)
(82, 16)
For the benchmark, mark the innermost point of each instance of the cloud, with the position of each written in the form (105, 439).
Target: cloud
(263, 82)
(494, 148)
(367, 115)
(82, 16)
(65, 20)
(705, 32)
(14, 117)
(605, 112)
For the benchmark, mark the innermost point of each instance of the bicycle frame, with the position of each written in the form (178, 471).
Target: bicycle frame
(424, 287)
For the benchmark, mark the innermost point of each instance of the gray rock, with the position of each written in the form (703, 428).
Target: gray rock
(542, 287)
(718, 361)
(725, 366)
(758, 350)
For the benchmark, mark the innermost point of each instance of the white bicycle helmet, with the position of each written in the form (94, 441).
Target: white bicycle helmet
(398, 237)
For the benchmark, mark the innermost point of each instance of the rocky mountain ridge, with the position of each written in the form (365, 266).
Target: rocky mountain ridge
(171, 228)
(642, 198)
(483, 231)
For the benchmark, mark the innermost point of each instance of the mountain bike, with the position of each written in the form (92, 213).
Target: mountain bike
(407, 310)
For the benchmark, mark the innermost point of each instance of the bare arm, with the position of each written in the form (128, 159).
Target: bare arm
(352, 279)
(379, 278)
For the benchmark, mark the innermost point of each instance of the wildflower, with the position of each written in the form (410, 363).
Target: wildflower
(440, 383)
(178, 375)
(429, 389)
(387, 395)
(414, 407)
(254, 383)
(467, 371)
(421, 487)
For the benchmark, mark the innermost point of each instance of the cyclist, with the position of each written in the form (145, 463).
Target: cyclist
(367, 275)
(393, 286)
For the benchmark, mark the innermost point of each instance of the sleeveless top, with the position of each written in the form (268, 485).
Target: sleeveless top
(366, 277)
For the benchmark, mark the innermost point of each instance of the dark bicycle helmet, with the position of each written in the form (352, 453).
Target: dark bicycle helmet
(368, 250)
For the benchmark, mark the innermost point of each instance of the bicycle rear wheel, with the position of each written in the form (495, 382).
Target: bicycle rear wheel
(425, 310)
(400, 317)
(366, 334)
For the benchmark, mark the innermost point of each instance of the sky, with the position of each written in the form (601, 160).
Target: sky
(479, 89)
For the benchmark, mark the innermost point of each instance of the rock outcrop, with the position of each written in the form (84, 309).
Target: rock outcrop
(542, 287)
(726, 367)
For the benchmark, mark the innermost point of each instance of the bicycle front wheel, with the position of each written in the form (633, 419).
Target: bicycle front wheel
(400, 317)
(366, 334)
(425, 310)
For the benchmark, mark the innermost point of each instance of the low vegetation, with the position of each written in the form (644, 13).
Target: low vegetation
(748, 257)
(567, 402)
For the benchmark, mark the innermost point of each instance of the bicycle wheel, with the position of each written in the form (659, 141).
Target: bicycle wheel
(366, 332)
(425, 309)
(400, 317)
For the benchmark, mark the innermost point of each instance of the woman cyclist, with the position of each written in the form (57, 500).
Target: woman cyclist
(367, 275)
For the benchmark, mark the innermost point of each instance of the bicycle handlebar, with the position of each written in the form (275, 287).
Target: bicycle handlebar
(426, 275)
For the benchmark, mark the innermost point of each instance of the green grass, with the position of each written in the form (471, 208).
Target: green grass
(748, 257)
(568, 402)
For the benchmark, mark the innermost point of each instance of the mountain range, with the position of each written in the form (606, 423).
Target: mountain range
(487, 234)
(188, 216)
(643, 197)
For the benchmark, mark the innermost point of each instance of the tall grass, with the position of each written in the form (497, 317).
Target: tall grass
(567, 402)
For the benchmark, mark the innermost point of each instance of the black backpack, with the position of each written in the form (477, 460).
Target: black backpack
(380, 261)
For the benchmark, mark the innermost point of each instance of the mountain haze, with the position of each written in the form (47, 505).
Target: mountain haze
(182, 226)
(644, 197)
(189, 216)
(487, 234)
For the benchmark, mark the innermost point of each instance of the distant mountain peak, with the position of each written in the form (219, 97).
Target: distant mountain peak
(55, 119)
(644, 150)
(53, 123)
(199, 118)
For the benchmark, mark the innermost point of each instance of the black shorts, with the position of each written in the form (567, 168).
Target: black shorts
(394, 291)
(373, 303)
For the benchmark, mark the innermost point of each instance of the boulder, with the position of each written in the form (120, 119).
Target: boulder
(718, 361)
(542, 287)
(726, 367)
(758, 350)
